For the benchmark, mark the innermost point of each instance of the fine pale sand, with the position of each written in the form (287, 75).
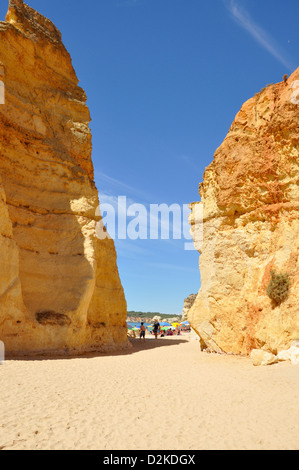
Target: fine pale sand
(160, 395)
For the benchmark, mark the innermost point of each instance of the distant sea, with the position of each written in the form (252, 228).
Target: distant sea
(137, 324)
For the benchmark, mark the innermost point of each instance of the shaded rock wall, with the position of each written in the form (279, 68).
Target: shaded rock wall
(250, 203)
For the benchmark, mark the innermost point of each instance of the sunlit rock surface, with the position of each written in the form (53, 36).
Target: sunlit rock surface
(250, 202)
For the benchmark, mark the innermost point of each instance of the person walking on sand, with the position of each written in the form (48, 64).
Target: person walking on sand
(142, 332)
(156, 329)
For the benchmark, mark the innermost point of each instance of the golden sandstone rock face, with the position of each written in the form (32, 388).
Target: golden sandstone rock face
(250, 203)
(59, 285)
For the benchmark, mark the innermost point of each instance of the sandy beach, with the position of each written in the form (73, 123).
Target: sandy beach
(159, 395)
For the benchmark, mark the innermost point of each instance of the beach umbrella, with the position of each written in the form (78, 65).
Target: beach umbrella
(176, 325)
(165, 323)
(185, 323)
(165, 328)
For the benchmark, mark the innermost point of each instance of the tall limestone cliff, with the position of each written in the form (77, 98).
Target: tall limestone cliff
(188, 302)
(249, 209)
(59, 284)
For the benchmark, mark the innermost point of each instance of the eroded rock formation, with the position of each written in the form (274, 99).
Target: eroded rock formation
(59, 285)
(249, 207)
(189, 301)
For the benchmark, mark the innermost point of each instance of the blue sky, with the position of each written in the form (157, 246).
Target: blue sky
(164, 80)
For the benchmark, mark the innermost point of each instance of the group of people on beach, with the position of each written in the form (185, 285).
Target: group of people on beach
(156, 331)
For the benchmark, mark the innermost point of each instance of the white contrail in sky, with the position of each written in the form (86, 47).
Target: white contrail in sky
(242, 17)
